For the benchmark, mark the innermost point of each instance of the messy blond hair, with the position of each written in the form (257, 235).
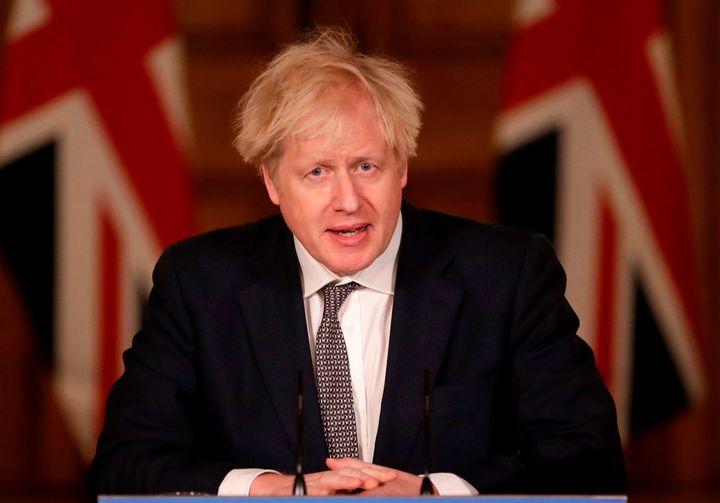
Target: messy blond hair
(299, 92)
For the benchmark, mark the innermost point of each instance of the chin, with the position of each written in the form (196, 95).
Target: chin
(346, 269)
(351, 264)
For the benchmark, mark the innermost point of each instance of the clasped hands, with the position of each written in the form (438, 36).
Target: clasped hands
(344, 476)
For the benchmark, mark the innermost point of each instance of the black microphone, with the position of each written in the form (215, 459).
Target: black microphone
(426, 488)
(299, 488)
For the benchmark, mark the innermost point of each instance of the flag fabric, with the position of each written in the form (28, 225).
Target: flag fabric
(93, 180)
(589, 138)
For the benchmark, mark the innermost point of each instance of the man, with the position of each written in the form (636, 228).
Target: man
(361, 292)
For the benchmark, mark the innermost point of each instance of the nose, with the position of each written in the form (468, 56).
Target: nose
(345, 193)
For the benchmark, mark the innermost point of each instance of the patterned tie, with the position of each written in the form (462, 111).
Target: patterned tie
(333, 377)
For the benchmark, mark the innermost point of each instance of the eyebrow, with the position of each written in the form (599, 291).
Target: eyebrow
(370, 156)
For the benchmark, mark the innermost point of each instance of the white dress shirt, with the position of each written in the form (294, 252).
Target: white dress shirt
(365, 318)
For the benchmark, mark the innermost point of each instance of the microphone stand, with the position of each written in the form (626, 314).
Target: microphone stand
(299, 488)
(426, 488)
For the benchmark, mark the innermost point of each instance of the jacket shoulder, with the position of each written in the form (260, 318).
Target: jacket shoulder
(466, 237)
(232, 243)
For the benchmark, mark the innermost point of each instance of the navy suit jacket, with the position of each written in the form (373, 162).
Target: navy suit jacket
(210, 381)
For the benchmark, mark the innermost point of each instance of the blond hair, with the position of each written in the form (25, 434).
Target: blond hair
(300, 91)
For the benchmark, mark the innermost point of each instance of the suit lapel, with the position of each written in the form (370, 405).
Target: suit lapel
(424, 311)
(274, 313)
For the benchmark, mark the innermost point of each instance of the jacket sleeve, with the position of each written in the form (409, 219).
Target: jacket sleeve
(563, 425)
(149, 442)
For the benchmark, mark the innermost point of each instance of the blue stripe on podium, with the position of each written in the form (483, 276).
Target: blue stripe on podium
(344, 499)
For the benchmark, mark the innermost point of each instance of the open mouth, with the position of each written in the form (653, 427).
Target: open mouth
(351, 232)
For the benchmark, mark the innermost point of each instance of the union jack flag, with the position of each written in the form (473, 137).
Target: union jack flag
(93, 181)
(589, 136)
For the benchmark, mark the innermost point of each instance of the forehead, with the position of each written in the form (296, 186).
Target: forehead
(347, 123)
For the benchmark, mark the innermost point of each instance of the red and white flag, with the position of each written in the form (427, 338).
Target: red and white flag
(590, 138)
(93, 180)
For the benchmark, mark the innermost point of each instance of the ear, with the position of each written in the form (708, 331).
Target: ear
(270, 185)
(403, 174)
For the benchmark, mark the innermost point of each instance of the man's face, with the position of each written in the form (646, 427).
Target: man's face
(341, 195)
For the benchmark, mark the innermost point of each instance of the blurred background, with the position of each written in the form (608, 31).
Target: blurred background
(594, 122)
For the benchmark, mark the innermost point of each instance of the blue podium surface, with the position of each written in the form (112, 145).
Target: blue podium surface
(345, 499)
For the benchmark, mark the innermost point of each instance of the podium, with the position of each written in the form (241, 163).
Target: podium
(347, 499)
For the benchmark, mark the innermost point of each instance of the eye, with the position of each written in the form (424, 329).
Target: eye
(316, 171)
(365, 167)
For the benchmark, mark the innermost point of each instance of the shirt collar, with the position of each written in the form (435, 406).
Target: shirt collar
(380, 275)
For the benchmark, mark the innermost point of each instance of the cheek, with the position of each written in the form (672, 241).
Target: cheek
(302, 214)
(392, 200)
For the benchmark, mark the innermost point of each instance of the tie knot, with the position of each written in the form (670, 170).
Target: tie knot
(335, 295)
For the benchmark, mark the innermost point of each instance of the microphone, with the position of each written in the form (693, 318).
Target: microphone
(426, 488)
(299, 488)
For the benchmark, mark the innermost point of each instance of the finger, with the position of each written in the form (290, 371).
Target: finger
(369, 480)
(404, 486)
(323, 483)
(381, 473)
(353, 463)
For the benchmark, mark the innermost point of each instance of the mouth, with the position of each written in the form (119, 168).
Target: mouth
(350, 231)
